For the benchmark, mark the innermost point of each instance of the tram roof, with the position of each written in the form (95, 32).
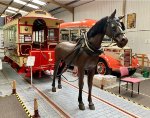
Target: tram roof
(40, 14)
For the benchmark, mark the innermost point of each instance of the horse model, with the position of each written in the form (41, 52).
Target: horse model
(87, 55)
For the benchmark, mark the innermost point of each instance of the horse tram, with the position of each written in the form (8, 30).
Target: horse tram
(35, 34)
(113, 57)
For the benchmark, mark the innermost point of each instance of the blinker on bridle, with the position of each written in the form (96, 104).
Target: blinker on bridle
(114, 34)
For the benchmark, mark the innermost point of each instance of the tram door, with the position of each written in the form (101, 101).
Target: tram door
(39, 34)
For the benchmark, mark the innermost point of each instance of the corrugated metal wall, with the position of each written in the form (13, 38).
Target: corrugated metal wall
(139, 37)
(98, 9)
(66, 16)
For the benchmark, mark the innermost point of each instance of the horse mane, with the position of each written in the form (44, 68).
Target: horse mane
(97, 28)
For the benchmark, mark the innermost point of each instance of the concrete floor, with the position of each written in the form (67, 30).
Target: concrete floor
(66, 98)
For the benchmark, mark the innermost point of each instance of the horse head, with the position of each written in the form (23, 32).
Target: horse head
(114, 30)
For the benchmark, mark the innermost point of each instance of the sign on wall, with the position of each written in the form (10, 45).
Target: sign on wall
(131, 21)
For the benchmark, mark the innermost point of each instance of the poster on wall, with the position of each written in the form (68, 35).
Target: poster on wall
(131, 21)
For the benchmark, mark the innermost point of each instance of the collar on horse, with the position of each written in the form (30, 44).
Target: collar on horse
(91, 49)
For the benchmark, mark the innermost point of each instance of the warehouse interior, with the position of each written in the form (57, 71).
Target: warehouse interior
(97, 75)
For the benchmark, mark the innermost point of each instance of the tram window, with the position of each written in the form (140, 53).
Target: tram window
(11, 33)
(52, 34)
(38, 36)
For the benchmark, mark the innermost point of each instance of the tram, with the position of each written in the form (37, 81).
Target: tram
(35, 34)
(113, 57)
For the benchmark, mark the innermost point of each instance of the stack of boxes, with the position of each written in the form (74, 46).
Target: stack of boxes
(103, 80)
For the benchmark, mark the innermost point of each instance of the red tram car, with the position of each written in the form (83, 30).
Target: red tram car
(35, 34)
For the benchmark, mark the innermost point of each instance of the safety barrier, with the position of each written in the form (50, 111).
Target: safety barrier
(143, 59)
(36, 112)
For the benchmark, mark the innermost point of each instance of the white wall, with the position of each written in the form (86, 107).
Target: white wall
(98, 9)
(139, 37)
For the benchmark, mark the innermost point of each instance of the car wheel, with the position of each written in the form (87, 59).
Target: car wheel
(102, 67)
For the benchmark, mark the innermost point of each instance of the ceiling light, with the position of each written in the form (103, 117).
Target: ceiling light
(23, 11)
(12, 8)
(3, 15)
(32, 6)
(39, 2)
(7, 10)
(20, 2)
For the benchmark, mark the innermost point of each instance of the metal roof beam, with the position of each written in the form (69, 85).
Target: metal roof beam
(65, 4)
(71, 9)
(7, 5)
(1, 3)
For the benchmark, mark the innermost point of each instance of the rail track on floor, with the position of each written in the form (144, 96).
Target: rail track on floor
(65, 114)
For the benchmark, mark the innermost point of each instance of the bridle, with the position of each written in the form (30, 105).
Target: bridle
(100, 50)
(114, 34)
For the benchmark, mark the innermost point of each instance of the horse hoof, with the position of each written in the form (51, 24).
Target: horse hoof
(81, 107)
(92, 107)
(59, 86)
(54, 89)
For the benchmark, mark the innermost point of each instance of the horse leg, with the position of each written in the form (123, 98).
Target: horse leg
(54, 76)
(81, 83)
(61, 68)
(90, 75)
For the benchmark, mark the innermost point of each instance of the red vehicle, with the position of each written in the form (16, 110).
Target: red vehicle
(35, 34)
(113, 57)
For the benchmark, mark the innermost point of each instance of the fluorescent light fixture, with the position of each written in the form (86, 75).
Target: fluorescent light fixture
(12, 8)
(7, 10)
(22, 11)
(3, 15)
(32, 6)
(39, 2)
(20, 2)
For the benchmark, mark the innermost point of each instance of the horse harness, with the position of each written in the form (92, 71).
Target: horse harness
(91, 50)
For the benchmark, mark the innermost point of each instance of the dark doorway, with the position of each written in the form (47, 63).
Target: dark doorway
(39, 34)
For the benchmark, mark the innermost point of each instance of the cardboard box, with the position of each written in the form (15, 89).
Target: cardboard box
(105, 80)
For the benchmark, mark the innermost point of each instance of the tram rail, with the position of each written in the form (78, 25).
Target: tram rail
(63, 113)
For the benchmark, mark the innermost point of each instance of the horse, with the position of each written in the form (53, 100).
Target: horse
(87, 55)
